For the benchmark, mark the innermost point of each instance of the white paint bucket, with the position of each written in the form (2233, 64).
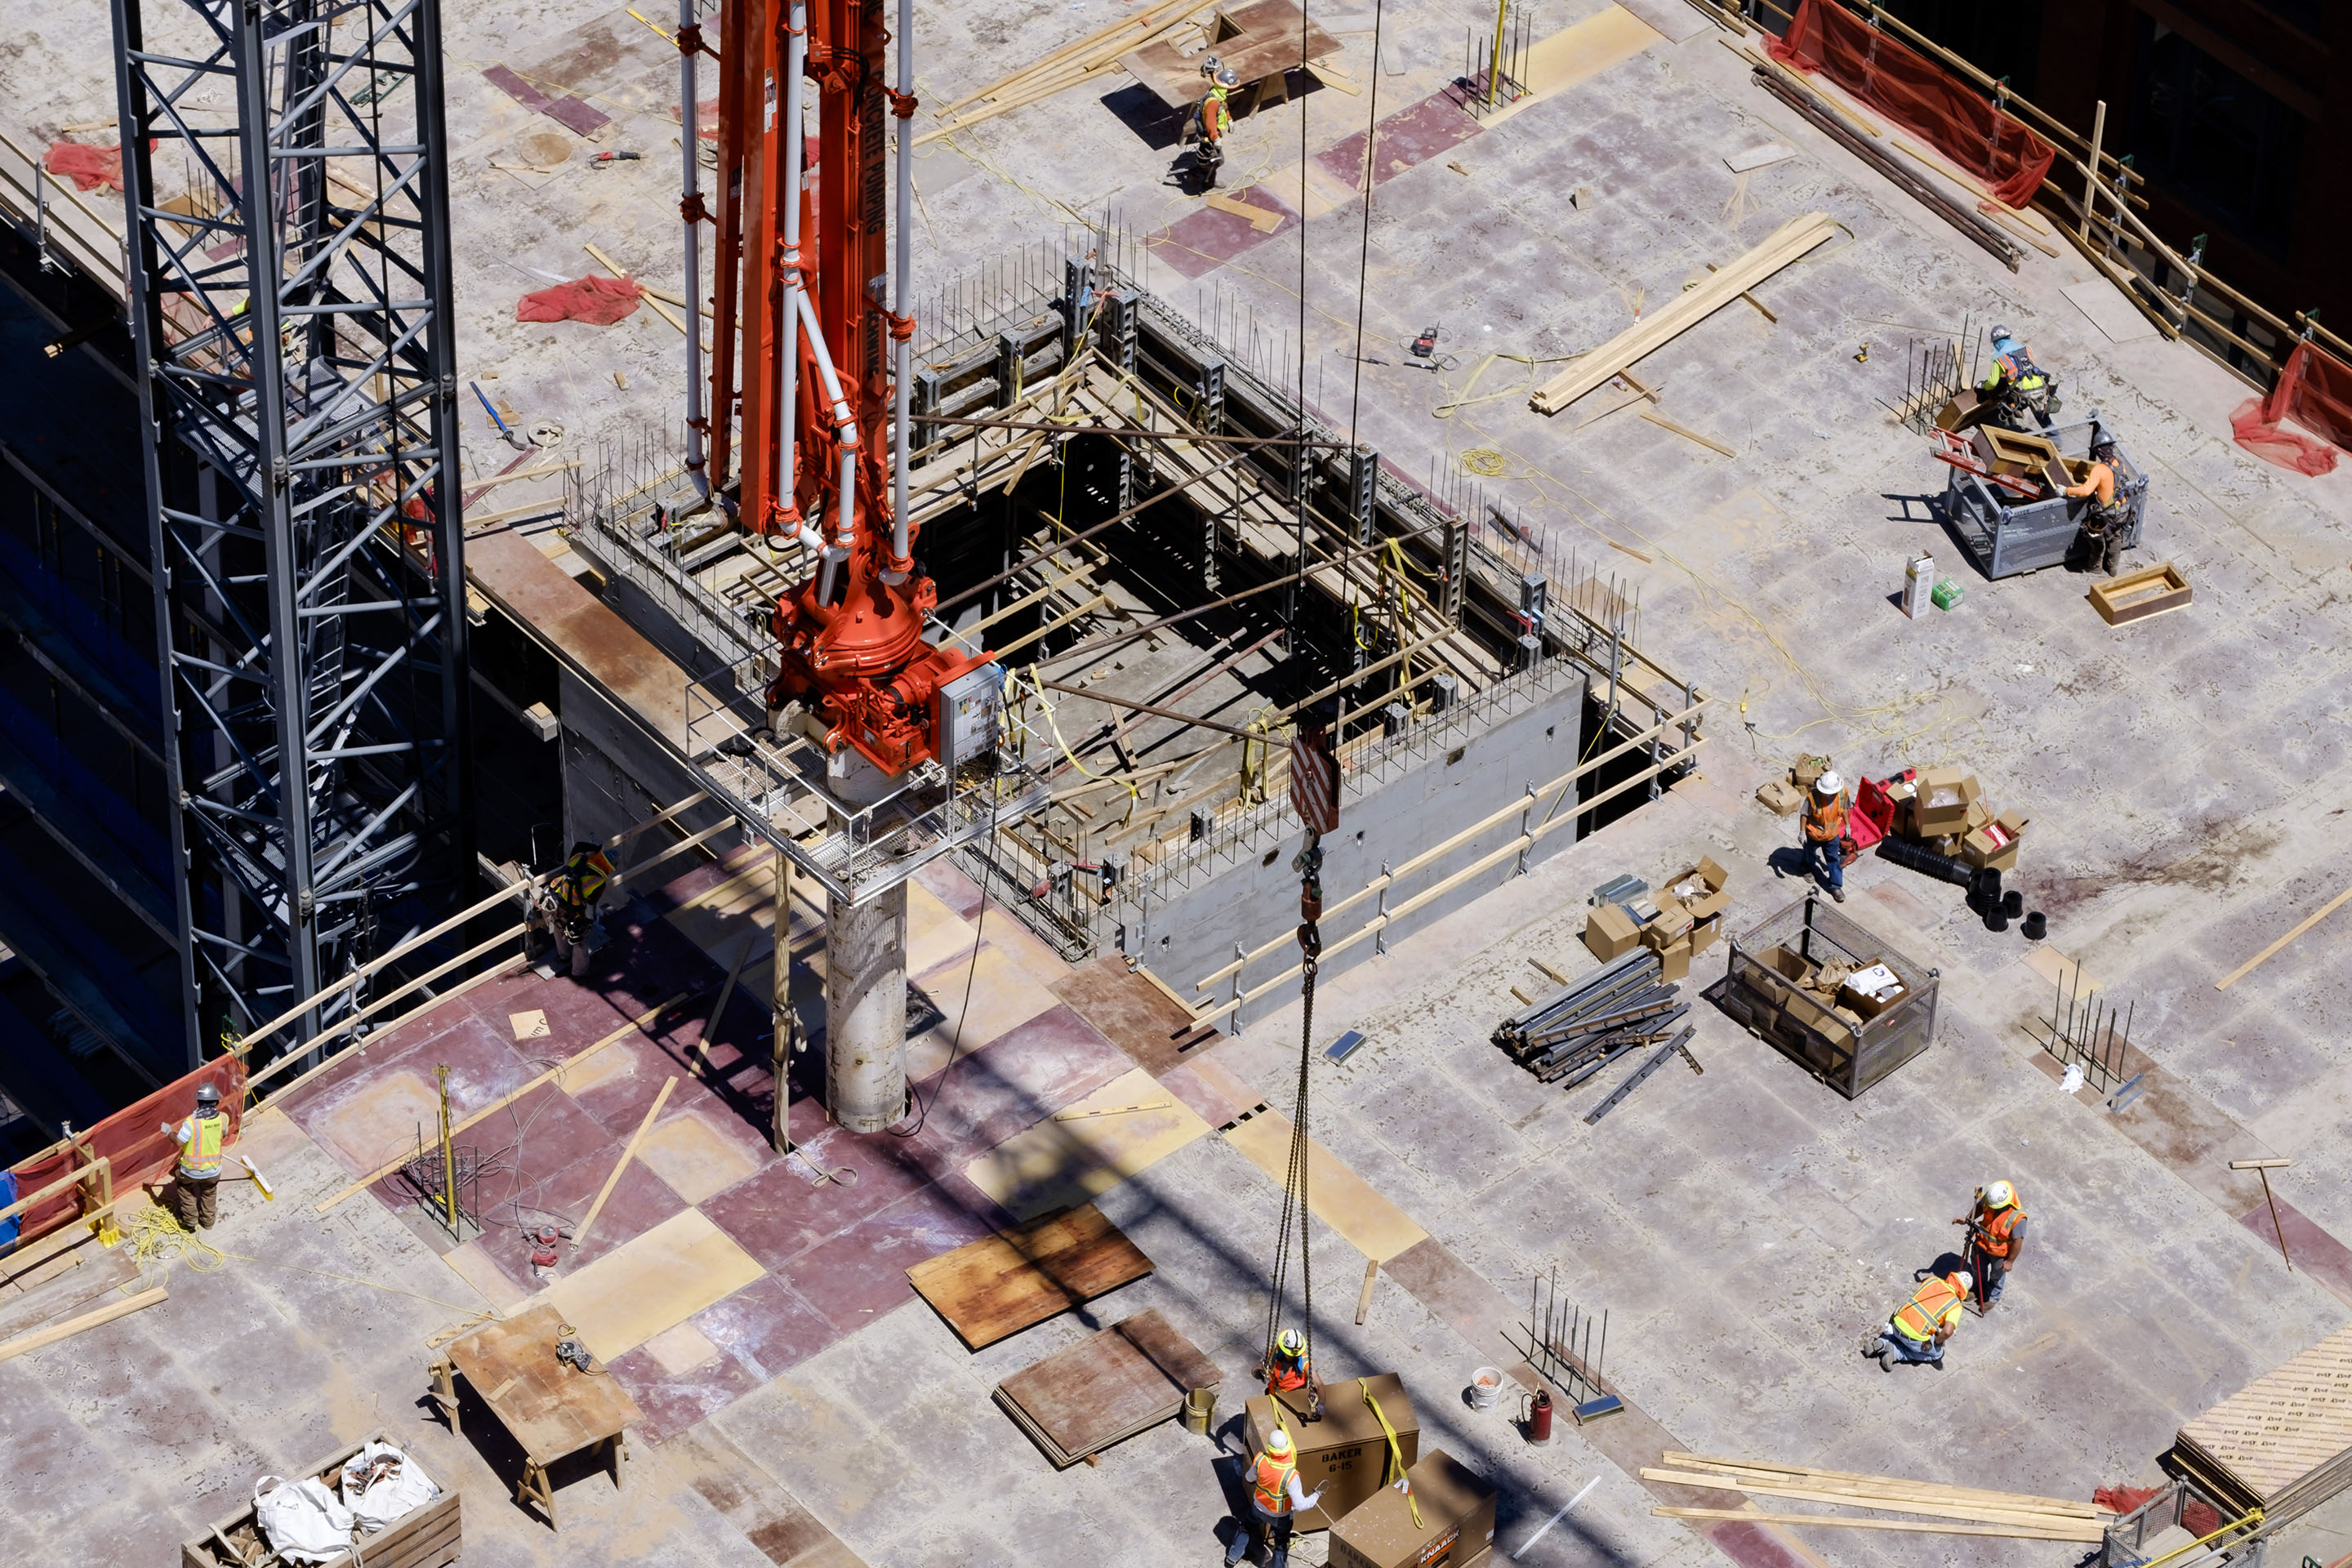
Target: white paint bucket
(1485, 1386)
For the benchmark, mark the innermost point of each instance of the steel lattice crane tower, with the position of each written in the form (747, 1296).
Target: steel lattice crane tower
(297, 388)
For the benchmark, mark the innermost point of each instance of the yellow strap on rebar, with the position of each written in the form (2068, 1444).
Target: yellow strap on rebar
(1396, 1453)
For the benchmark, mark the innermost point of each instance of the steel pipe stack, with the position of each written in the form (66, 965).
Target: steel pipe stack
(1573, 1034)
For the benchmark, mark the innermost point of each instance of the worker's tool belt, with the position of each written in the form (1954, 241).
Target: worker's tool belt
(2101, 520)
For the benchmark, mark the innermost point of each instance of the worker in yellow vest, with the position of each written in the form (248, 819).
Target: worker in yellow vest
(1921, 1326)
(1996, 1235)
(1828, 810)
(1276, 1501)
(573, 895)
(195, 1189)
(1213, 120)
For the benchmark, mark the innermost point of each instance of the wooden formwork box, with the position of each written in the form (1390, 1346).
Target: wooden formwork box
(431, 1536)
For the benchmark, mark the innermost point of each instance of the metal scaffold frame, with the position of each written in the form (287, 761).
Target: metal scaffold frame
(303, 505)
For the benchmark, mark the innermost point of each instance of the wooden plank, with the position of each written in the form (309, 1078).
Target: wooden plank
(1178, 1359)
(1102, 1389)
(1364, 1297)
(629, 1153)
(73, 1326)
(1887, 1503)
(552, 1075)
(2136, 596)
(1259, 218)
(1918, 1488)
(1688, 434)
(1791, 241)
(1014, 1279)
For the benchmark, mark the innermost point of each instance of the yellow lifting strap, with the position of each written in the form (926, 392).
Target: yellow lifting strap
(1396, 1453)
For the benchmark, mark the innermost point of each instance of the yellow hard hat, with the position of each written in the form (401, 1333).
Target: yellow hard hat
(2000, 1195)
(1291, 1342)
(1278, 1444)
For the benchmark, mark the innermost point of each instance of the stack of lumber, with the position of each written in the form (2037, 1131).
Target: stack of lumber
(1015, 1278)
(1081, 60)
(1104, 1389)
(1944, 1510)
(2284, 1442)
(1687, 310)
(1580, 1029)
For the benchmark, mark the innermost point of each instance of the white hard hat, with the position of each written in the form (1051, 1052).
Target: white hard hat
(2000, 1195)
(1278, 1442)
(1829, 783)
(1965, 1280)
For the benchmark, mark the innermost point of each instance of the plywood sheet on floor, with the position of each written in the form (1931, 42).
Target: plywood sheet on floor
(694, 1158)
(651, 1283)
(1105, 1388)
(1131, 1013)
(1001, 995)
(1059, 1164)
(1340, 1198)
(1009, 1281)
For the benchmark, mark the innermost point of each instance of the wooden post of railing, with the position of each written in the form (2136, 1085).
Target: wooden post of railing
(2090, 167)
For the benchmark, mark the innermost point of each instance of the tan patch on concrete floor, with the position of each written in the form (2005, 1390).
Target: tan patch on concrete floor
(692, 1159)
(474, 1267)
(681, 1349)
(651, 1283)
(379, 1122)
(1056, 1164)
(2056, 969)
(1002, 996)
(1340, 1198)
(935, 934)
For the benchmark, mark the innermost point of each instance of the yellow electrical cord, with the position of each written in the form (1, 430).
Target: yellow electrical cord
(1484, 462)
(156, 1238)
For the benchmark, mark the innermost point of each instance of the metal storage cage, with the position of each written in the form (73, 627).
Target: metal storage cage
(1761, 989)
(2005, 536)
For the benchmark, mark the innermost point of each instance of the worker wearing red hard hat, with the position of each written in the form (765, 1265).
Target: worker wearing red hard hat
(1828, 809)
(1919, 1327)
(1276, 1501)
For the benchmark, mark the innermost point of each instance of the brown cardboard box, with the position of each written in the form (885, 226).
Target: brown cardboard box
(1704, 934)
(1674, 959)
(1979, 815)
(1942, 807)
(1673, 923)
(1780, 798)
(1868, 992)
(1905, 794)
(1994, 845)
(1610, 933)
(1345, 1452)
(1807, 769)
(1457, 1521)
(1705, 898)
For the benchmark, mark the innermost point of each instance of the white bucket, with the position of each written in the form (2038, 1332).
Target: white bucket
(1485, 1386)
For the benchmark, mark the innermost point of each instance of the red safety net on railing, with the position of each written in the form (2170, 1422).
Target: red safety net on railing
(1919, 96)
(2315, 390)
(131, 1140)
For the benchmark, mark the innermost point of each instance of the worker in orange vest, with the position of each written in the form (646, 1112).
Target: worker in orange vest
(1212, 119)
(1919, 1327)
(2107, 518)
(1289, 1367)
(1996, 1235)
(1827, 810)
(195, 1187)
(1276, 1501)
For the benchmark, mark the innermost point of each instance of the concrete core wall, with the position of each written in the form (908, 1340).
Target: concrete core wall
(1254, 898)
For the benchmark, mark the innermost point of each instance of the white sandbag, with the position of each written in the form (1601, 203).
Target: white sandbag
(399, 1486)
(302, 1521)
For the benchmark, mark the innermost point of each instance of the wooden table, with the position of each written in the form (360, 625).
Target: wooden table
(1260, 41)
(550, 1407)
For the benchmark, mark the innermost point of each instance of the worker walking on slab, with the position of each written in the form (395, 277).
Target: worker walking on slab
(2023, 394)
(195, 1188)
(1996, 1235)
(569, 903)
(2107, 518)
(1276, 1501)
(1828, 809)
(1212, 119)
(1920, 1327)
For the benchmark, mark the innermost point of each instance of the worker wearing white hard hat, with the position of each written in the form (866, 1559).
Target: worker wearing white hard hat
(1996, 1235)
(1276, 1501)
(1827, 810)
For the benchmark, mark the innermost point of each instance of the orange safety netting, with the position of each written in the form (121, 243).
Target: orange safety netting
(131, 1140)
(2315, 390)
(1919, 96)
(600, 301)
(88, 167)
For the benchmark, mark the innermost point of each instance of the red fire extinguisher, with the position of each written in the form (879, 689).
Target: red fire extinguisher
(1537, 1416)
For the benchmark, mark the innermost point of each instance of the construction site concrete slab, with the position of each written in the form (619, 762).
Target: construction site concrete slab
(1073, 1155)
(1337, 1196)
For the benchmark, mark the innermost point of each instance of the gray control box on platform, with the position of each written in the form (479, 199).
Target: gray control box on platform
(970, 716)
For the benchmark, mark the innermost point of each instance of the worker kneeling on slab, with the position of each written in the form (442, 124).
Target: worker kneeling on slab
(195, 1189)
(1276, 1499)
(1921, 1326)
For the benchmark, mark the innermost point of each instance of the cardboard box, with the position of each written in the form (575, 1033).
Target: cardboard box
(1979, 814)
(1675, 959)
(1456, 1528)
(1673, 925)
(1610, 933)
(1942, 806)
(1705, 934)
(1870, 992)
(1780, 798)
(1700, 889)
(1807, 769)
(1993, 845)
(1345, 1452)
